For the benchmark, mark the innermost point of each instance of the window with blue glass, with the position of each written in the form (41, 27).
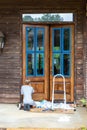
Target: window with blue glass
(34, 51)
(61, 51)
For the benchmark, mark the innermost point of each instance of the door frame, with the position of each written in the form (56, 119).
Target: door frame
(48, 90)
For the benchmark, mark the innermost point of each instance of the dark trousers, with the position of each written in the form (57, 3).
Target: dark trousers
(26, 107)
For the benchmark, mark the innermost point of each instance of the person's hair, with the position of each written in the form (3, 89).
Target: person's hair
(27, 81)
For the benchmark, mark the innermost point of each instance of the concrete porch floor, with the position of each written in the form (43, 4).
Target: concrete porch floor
(12, 117)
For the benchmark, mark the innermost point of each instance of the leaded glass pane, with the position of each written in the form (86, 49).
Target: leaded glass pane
(56, 63)
(30, 64)
(40, 64)
(30, 39)
(40, 40)
(66, 64)
(66, 39)
(56, 40)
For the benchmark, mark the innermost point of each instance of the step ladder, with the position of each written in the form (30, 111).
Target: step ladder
(59, 91)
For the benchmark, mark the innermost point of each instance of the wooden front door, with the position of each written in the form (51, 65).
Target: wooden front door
(62, 59)
(48, 50)
(36, 59)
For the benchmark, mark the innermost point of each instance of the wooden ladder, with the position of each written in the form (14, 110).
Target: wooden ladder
(58, 92)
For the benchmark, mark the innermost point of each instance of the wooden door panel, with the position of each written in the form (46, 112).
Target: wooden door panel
(69, 80)
(39, 83)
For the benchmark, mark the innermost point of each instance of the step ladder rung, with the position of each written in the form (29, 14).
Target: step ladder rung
(59, 91)
(59, 101)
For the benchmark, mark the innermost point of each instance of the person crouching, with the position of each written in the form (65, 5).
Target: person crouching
(26, 92)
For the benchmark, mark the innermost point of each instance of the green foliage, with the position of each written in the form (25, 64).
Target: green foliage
(83, 101)
(44, 17)
(83, 128)
(27, 18)
(49, 17)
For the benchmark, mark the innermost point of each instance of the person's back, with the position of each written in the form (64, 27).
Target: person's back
(27, 91)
